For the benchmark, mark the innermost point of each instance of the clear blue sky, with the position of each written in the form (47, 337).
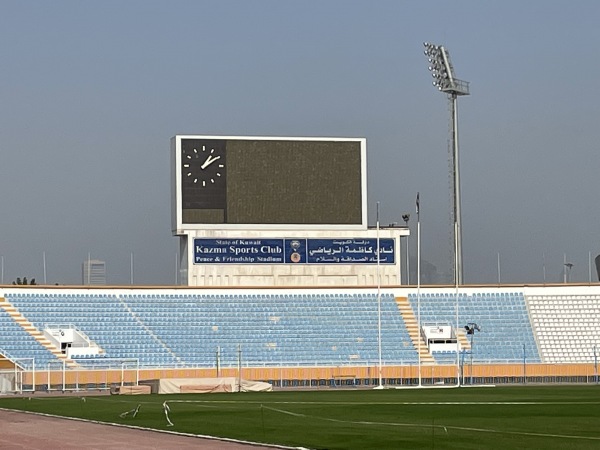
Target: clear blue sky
(91, 93)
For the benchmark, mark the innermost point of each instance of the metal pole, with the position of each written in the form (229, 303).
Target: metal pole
(595, 365)
(456, 306)
(419, 284)
(239, 367)
(457, 207)
(44, 257)
(498, 267)
(461, 371)
(16, 383)
(524, 366)
(406, 218)
(457, 226)
(544, 266)
(407, 261)
(472, 339)
(380, 386)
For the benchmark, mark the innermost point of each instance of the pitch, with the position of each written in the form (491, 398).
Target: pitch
(465, 418)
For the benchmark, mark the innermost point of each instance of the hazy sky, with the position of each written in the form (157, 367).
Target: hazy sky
(91, 93)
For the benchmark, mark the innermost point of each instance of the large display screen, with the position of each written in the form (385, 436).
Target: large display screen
(271, 181)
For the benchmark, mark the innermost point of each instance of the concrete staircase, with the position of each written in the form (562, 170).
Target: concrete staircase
(412, 326)
(37, 334)
(463, 340)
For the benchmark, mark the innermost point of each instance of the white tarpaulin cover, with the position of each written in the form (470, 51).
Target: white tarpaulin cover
(207, 385)
(7, 382)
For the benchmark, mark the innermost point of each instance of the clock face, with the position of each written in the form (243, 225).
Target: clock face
(203, 165)
(203, 176)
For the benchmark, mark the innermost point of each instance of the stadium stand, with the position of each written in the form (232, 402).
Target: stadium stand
(303, 328)
(102, 317)
(505, 327)
(272, 329)
(181, 330)
(566, 326)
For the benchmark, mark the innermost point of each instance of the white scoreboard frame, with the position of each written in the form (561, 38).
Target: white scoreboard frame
(180, 228)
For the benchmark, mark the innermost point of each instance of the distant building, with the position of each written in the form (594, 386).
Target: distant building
(93, 272)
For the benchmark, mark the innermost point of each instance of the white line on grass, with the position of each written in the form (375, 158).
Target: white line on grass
(429, 426)
(444, 427)
(384, 403)
(159, 402)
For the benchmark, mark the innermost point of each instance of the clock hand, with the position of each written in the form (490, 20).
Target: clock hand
(209, 161)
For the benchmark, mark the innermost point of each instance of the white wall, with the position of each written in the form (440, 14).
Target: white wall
(293, 275)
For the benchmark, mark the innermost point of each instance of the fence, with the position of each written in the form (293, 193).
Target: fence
(62, 378)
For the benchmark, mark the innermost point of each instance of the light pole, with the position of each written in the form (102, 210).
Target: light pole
(595, 365)
(218, 360)
(524, 365)
(443, 74)
(406, 218)
(418, 207)
(471, 328)
(380, 379)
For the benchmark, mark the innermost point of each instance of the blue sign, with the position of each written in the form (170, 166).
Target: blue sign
(238, 251)
(349, 251)
(294, 251)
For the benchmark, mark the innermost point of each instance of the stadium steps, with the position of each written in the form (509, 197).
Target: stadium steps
(412, 326)
(463, 340)
(33, 331)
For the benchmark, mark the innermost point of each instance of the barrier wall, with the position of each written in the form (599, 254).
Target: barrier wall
(75, 380)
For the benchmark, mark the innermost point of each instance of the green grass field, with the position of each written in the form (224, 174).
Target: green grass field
(565, 417)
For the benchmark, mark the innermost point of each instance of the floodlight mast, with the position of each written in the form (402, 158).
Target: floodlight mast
(444, 79)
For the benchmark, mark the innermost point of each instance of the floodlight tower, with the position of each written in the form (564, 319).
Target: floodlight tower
(443, 73)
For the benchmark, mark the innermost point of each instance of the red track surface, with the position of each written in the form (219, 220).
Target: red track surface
(32, 431)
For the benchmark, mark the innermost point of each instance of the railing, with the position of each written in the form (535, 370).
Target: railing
(58, 377)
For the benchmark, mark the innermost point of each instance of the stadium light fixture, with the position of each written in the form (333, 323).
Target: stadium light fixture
(568, 267)
(445, 81)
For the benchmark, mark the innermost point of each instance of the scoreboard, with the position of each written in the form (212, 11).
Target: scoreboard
(232, 181)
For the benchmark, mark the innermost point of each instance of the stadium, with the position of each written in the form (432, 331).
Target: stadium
(285, 285)
(272, 295)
